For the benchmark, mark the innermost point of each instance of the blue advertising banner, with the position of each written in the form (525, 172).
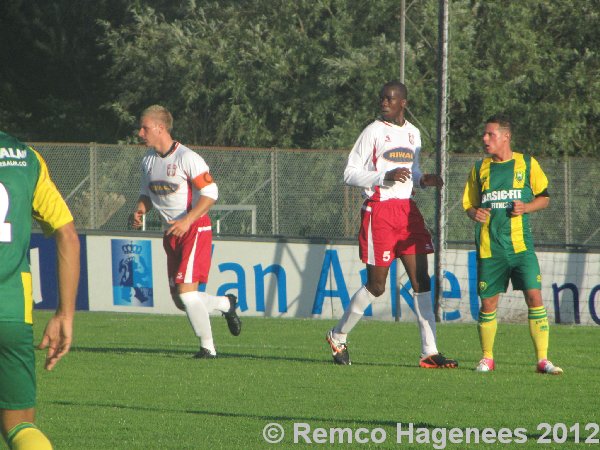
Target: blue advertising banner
(132, 272)
(42, 256)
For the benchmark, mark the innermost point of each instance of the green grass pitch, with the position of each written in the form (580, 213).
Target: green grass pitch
(129, 382)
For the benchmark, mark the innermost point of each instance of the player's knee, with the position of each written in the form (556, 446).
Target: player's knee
(376, 289)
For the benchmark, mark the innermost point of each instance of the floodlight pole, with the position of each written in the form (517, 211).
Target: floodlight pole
(402, 37)
(402, 44)
(441, 155)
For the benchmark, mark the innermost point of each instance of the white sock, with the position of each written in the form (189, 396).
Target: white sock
(213, 302)
(426, 321)
(360, 301)
(199, 319)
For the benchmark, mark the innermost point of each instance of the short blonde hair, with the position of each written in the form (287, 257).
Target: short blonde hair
(161, 114)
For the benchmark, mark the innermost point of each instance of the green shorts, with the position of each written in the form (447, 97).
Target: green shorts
(17, 366)
(522, 269)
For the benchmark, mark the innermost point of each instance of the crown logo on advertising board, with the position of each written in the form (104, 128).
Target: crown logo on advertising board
(132, 249)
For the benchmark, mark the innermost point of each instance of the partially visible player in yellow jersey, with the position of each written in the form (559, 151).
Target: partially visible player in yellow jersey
(27, 192)
(501, 191)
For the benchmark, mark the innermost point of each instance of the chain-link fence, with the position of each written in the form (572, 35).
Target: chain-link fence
(300, 193)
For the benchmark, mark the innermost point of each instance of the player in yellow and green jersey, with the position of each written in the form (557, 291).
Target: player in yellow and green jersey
(501, 192)
(27, 192)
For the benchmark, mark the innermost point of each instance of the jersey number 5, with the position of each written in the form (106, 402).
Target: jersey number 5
(5, 227)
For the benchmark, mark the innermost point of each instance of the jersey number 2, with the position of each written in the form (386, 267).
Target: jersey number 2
(5, 227)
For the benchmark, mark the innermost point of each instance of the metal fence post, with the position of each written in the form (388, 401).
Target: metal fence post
(93, 185)
(274, 192)
(441, 157)
(567, 195)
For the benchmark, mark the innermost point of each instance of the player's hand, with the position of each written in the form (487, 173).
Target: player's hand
(136, 219)
(398, 174)
(481, 215)
(179, 227)
(431, 179)
(518, 208)
(57, 337)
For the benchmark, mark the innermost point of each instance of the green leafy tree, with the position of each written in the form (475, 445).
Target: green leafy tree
(538, 62)
(53, 81)
(285, 73)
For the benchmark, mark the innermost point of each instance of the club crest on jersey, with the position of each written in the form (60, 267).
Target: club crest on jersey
(519, 176)
(399, 155)
(387, 138)
(411, 138)
(162, 187)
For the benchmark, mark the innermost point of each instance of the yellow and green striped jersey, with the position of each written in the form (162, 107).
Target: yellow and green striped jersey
(26, 192)
(496, 185)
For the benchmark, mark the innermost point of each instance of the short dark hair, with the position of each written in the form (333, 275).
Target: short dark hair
(500, 119)
(395, 84)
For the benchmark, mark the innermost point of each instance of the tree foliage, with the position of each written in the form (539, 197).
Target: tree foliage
(52, 81)
(298, 73)
(537, 61)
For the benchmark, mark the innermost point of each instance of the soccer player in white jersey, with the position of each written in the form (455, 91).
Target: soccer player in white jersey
(176, 182)
(385, 163)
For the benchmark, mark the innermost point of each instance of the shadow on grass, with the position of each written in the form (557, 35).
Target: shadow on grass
(238, 415)
(338, 421)
(170, 353)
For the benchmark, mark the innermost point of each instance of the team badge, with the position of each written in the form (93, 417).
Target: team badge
(482, 286)
(171, 170)
(519, 176)
(411, 138)
(387, 138)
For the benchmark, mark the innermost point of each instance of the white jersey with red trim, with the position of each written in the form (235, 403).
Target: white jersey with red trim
(381, 147)
(167, 181)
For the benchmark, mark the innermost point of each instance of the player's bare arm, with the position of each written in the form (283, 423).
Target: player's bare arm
(538, 203)
(398, 174)
(181, 226)
(59, 330)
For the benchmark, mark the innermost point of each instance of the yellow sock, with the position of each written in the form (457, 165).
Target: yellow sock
(26, 436)
(487, 327)
(539, 330)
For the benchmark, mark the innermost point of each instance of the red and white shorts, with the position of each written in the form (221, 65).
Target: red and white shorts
(392, 228)
(188, 256)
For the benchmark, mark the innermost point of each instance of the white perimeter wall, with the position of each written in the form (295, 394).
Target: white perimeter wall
(315, 280)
